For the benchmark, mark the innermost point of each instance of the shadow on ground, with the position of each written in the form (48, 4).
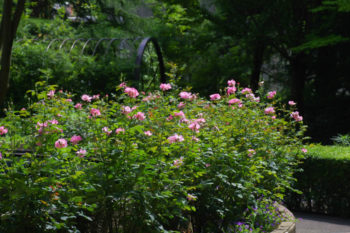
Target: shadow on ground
(314, 223)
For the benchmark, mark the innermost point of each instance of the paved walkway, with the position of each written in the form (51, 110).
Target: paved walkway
(313, 223)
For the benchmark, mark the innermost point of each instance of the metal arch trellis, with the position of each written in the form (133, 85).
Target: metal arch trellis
(135, 49)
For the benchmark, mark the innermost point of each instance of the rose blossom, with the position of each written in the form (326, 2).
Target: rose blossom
(119, 130)
(78, 106)
(181, 105)
(106, 130)
(291, 103)
(179, 114)
(81, 153)
(148, 133)
(269, 110)
(54, 122)
(304, 150)
(132, 92)
(246, 91)
(195, 139)
(296, 116)
(271, 94)
(231, 83)
(3, 130)
(231, 90)
(95, 112)
(234, 101)
(178, 162)
(191, 197)
(122, 85)
(139, 116)
(251, 152)
(75, 139)
(175, 138)
(215, 97)
(194, 126)
(126, 109)
(86, 98)
(61, 143)
(165, 86)
(185, 95)
(96, 97)
(51, 93)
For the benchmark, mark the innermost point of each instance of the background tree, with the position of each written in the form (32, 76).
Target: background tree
(11, 15)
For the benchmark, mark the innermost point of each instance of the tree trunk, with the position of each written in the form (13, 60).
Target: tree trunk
(9, 25)
(257, 64)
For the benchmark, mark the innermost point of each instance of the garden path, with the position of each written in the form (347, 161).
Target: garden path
(315, 223)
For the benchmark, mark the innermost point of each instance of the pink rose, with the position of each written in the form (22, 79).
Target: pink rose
(86, 98)
(169, 118)
(96, 97)
(175, 138)
(119, 130)
(179, 114)
(126, 110)
(231, 90)
(185, 95)
(75, 139)
(148, 133)
(122, 85)
(251, 152)
(139, 116)
(3, 130)
(61, 143)
(231, 83)
(246, 91)
(106, 130)
(132, 92)
(51, 94)
(95, 112)
(81, 153)
(269, 110)
(215, 97)
(54, 122)
(191, 197)
(165, 86)
(194, 126)
(78, 106)
(304, 150)
(181, 105)
(296, 116)
(271, 94)
(178, 162)
(291, 103)
(234, 101)
(195, 139)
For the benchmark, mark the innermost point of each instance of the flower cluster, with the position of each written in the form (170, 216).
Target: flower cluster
(168, 148)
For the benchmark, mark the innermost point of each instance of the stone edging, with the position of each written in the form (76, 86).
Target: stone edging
(289, 225)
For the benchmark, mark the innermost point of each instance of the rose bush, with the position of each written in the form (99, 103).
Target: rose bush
(166, 161)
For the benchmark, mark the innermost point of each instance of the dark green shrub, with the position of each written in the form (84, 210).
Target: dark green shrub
(324, 181)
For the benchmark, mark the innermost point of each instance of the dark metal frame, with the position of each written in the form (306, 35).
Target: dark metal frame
(139, 53)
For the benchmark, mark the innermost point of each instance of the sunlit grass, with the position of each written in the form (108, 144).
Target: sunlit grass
(329, 152)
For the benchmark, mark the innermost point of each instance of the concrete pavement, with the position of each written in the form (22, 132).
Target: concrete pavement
(314, 223)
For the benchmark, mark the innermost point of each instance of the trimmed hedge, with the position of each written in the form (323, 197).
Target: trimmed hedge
(324, 182)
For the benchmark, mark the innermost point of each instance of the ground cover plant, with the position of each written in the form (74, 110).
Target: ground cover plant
(166, 161)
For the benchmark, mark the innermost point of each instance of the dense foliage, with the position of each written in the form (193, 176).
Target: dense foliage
(166, 161)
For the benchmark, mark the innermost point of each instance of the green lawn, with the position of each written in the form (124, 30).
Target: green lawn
(336, 152)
